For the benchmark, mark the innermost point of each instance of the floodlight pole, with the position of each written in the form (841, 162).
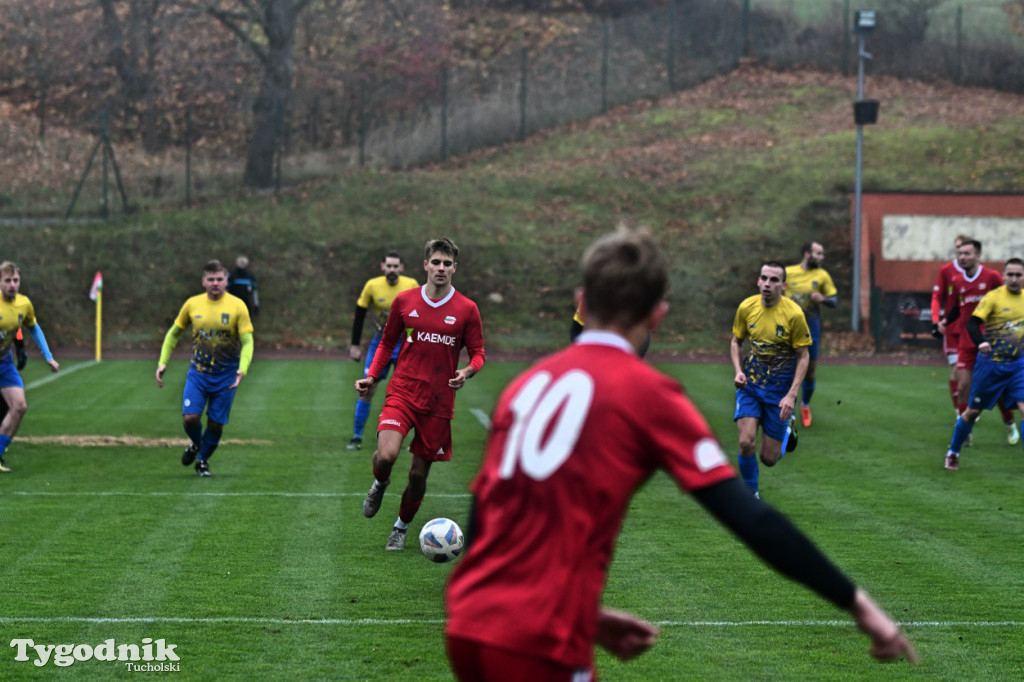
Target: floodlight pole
(855, 315)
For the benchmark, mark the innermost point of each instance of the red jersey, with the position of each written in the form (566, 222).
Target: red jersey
(572, 438)
(943, 298)
(433, 334)
(969, 292)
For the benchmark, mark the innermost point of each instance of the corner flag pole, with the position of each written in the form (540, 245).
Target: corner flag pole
(96, 294)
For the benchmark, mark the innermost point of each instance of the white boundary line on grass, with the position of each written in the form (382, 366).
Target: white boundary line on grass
(436, 621)
(481, 417)
(57, 375)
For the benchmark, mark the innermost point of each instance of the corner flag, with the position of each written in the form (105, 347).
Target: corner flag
(96, 294)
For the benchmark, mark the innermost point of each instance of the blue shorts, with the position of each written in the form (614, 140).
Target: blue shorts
(763, 405)
(815, 327)
(993, 379)
(372, 350)
(9, 375)
(211, 391)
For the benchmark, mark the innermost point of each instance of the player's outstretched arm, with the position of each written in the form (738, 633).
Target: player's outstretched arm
(888, 642)
(782, 546)
(623, 634)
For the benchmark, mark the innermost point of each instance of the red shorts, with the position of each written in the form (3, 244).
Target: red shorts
(433, 440)
(966, 357)
(476, 661)
(950, 342)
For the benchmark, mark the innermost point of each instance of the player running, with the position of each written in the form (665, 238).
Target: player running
(434, 323)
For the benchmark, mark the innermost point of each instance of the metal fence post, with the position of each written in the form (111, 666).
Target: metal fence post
(444, 113)
(188, 156)
(523, 65)
(604, 66)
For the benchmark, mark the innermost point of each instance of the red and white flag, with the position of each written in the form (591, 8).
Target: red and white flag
(97, 286)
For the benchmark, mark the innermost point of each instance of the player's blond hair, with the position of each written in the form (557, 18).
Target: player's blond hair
(625, 276)
(9, 268)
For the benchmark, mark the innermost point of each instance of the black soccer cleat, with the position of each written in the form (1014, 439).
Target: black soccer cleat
(203, 468)
(189, 455)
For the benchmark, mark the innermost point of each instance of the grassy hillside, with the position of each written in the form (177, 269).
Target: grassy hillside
(744, 168)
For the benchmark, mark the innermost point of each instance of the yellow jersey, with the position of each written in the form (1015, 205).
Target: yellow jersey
(775, 334)
(378, 295)
(1003, 315)
(800, 284)
(13, 316)
(216, 330)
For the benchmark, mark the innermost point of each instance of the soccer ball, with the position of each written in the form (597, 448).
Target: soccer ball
(441, 540)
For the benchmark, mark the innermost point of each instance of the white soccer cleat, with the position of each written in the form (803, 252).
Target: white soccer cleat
(1012, 434)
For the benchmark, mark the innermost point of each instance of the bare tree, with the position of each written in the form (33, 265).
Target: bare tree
(267, 29)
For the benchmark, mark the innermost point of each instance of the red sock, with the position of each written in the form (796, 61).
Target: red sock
(407, 510)
(953, 393)
(961, 407)
(1007, 416)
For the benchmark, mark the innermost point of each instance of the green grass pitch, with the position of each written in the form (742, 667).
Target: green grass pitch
(268, 570)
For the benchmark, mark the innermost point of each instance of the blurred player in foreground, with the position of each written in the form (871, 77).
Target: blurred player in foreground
(572, 439)
(768, 379)
(15, 311)
(378, 294)
(221, 354)
(434, 323)
(999, 368)
(811, 286)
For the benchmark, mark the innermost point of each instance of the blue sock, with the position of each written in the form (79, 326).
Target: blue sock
(960, 432)
(194, 432)
(749, 471)
(4, 442)
(362, 414)
(209, 444)
(808, 391)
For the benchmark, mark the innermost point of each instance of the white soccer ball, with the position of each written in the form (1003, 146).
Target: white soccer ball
(441, 540)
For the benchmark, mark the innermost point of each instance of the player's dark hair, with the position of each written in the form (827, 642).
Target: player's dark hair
(443, 245)
(1012, 261)
(624, 277)
(973, 242)
(775, 264)
(214, 266)
(806, 248)
(392, 253)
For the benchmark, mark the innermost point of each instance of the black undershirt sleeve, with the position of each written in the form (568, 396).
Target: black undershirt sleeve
(357, 325)
(777, 541)
(974, 330)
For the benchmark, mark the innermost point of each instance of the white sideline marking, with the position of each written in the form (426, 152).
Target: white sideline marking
(438, 621)
(64, 372)
(482, 417)
(117, 493)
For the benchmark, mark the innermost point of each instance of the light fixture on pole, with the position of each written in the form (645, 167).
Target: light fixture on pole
(865, 111)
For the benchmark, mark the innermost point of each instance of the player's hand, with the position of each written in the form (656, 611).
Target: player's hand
(54, 365)
(936, 331)
(985, 347)
(459, 380)
(355, 353)
(888, 643)
(364, 385)
(623, 634)
(239, 375)
(740, 381)
(160, 375)
(787, 406)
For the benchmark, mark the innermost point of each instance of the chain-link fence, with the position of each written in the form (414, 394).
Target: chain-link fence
(402, 122)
